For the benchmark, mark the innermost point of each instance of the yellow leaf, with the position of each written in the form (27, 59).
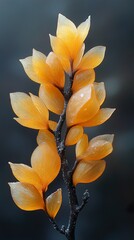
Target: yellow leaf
(53, 203)
(52, 125)
(83, 29)
(26, 174)
(93, 58)
(41, 68)
(28, 68)
(26, 196)
(74, 135)
(83, 78)
(82, 106)
(22, 105)
(52, 97)
(41, 107)
(98, 148)
(78, 57)
(87, 172)
(34, 124)
(101, 116)
(67, 32)
(81, 146)
(60, 49)
(45, 135)
(58, 76)
(65, 27)
(46, 162)
(100, 92)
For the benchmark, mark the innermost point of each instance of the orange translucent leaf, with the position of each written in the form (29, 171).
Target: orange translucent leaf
(52, 97)
(81, 145)
(65, 27)
(26, 196)
(22, 105)
(53, 203)
(31, 123)
(39, 56)
(60, 49)
(28, 68)
(83, 29)
(58, 76)
(41, 107)
(26, 174)
(100, 92)
(93, 58)
(67, 32)
(46, 162)
(31, 111)
(98, 148)
(83, 78)
(78, 57)
(41, 68)
(74, 135)
(82, 106)
(52, 125)
(87, 172)
(72, 37)
(45, 136)
(102, 116)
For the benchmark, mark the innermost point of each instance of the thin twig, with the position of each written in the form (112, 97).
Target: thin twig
(56, 227)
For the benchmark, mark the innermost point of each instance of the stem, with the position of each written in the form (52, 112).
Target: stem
(56, 227)
(69, 232)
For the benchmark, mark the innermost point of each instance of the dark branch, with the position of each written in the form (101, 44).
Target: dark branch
(84, 200)
(56, 227)
(69, 232)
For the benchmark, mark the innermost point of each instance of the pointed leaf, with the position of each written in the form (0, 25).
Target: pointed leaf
(87, 172)
(26, 196)
(22, 105)
(52, 125)
(26, 174)
(74, 135)
(34, 124)
(79, 56)
(67, 32)
(46, 162)
(58, 76)
(93, 58)
(53, 203)
(83, 78)
(64, 26)
(82, 106)
(52, 98)
(98, 148)
(83, 29)
(28, 68)
(102, 116)
(41, 68)
(81, 146)
(41, 107)
(60, 49)
(100, 92)
(45, 135)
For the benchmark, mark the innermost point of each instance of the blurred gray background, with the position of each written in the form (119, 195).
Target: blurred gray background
(25, 24)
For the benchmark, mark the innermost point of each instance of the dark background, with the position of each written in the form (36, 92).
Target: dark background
(24, 25)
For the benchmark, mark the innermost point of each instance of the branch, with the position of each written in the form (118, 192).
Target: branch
(56, 227)
(84, 200)
(69, 232)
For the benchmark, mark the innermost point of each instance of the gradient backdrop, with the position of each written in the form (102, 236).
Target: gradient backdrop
(25, 24)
